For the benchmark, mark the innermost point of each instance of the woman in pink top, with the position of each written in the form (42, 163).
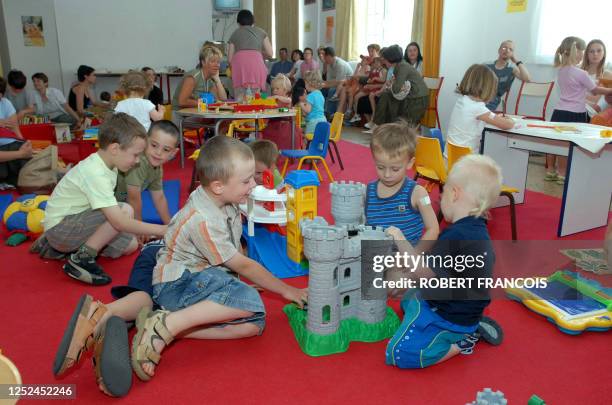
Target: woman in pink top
(574, 83)
(309, 64)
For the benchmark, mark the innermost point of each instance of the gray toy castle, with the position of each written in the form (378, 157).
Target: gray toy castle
(336, 313)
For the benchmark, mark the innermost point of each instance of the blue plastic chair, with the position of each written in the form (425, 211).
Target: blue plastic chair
(317, 151)
(436, 133)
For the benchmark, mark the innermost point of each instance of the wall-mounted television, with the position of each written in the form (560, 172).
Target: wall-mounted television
(227, 6)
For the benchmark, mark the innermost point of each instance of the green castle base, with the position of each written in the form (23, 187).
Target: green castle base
(350, 330)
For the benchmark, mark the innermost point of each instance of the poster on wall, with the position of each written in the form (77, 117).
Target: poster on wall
(32, 28)
(327, 5)
(329, 29)
(307, 26)
(516, 6)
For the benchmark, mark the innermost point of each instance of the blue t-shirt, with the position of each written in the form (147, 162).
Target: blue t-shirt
(317, 101)
(467, 237)
(395, 210)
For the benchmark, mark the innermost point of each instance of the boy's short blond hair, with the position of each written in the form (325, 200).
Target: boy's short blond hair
(265, 151)
(480, 177)
(217, 158)
(136, 82)
(120, 128)
(480, 82)
(281, 81)
(313, 79)
(394, 139)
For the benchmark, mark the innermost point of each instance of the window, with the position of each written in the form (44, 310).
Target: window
(326, 314)
(561, 18)
(346, 301)
(335, 277)
(347, 272)
(387, 22)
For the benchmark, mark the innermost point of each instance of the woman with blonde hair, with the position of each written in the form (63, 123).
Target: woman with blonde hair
(203, 79)
(594, 63)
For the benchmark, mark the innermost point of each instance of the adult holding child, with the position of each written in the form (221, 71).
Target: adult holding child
(203, 79)
(248, 46)
(408, 96)
(506, 68)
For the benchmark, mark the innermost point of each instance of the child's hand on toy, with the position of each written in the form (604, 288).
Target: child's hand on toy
(299, 296)
(395, 233)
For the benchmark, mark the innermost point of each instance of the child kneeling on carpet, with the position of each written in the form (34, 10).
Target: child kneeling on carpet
(441, 323)
(395, 199)
(83, 218)
(266, 155)
(162, 142)
(191, 280)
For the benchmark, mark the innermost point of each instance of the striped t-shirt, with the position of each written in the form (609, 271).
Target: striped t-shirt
(395, 210)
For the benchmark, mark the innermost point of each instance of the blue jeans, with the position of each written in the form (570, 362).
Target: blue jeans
(212, 284)
(424, 337)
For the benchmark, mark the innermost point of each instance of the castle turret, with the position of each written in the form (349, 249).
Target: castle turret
(347, 203)
(372, 307)
(323, 249)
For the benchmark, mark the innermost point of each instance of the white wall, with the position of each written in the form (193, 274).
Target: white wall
(120, 35)
(310, 13)
(31, 59)
(472, 32)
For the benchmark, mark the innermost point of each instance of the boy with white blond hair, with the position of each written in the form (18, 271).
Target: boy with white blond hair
(439, 324)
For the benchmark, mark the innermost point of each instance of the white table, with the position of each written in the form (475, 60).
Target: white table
(220, 117)
(588, 186)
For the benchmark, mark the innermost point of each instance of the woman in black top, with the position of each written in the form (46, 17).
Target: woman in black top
(81, 96)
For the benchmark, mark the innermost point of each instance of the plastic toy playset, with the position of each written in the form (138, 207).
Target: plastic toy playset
(570, 301)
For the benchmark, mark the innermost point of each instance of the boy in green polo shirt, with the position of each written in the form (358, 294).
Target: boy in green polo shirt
(162, 142)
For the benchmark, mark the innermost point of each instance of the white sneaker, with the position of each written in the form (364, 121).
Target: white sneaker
(368, 131)
(356, 118)
(369, 125)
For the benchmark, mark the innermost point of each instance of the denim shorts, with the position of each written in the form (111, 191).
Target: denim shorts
(424, 337)
(212, 284)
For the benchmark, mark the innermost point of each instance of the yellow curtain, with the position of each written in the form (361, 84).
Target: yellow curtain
(287, 21)
(430, 47)
(432, 37)
(417, 22)
(348, 16)
(262, 11)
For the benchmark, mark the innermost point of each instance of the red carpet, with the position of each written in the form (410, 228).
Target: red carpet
(37, 299)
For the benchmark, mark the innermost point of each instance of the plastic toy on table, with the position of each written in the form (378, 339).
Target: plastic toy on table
(570, 301)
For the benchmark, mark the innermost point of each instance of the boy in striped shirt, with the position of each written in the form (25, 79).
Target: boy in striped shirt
(395, 199)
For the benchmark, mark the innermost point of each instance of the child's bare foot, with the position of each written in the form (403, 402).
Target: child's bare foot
(152, 337)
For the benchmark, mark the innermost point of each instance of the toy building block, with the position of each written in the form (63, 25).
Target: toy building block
(302, 186)
(488, 397)
(536, 400)
(347, 202)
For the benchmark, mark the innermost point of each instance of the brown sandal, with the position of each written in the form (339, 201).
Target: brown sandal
(112, 358)
(144, 352)
(78, 336)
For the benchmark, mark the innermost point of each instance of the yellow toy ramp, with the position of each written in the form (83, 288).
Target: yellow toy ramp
(573, 303)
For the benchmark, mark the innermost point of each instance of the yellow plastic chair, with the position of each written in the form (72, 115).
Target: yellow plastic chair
(429, 162)
(334, 137)
(247, 126)
(456, 152)
(168, 112)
